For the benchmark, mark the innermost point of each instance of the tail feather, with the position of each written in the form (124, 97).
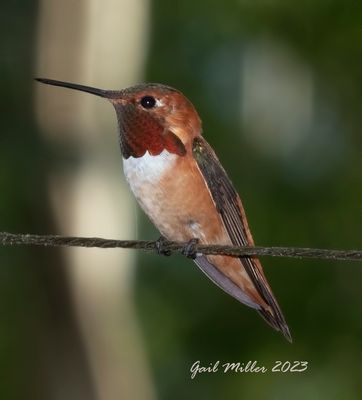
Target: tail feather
(272, 315)
(278, 324)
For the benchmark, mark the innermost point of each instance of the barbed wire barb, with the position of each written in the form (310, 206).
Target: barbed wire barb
(13, 239)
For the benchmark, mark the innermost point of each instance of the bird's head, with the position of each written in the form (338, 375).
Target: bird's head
(152, 117)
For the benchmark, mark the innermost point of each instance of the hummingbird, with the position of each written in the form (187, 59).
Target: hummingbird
(181, 185)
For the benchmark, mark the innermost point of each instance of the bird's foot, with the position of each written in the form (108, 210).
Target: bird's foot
(160, 247)
(190, 249)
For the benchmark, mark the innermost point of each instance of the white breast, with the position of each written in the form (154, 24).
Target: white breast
(143, 175)
(148, 168)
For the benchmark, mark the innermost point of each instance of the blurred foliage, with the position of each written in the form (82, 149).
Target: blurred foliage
(196, 47)
(36, 317)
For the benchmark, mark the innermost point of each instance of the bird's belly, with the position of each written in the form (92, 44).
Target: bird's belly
(170, 190)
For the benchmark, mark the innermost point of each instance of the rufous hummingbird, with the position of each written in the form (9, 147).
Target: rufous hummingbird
(181, 185)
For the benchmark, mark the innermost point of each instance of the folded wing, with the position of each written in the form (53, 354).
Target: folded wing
(228, 205)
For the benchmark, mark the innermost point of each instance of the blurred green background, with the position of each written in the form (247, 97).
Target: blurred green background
(277, 85)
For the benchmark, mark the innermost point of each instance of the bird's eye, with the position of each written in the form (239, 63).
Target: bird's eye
(148, 102)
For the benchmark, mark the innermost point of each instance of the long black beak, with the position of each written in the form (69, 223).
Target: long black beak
(108, 94)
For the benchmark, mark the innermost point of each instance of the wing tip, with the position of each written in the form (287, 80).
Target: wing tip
(284, 329)
(278, 324)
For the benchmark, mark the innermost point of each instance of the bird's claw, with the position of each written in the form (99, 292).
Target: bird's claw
(190, 249)
(160, 247)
